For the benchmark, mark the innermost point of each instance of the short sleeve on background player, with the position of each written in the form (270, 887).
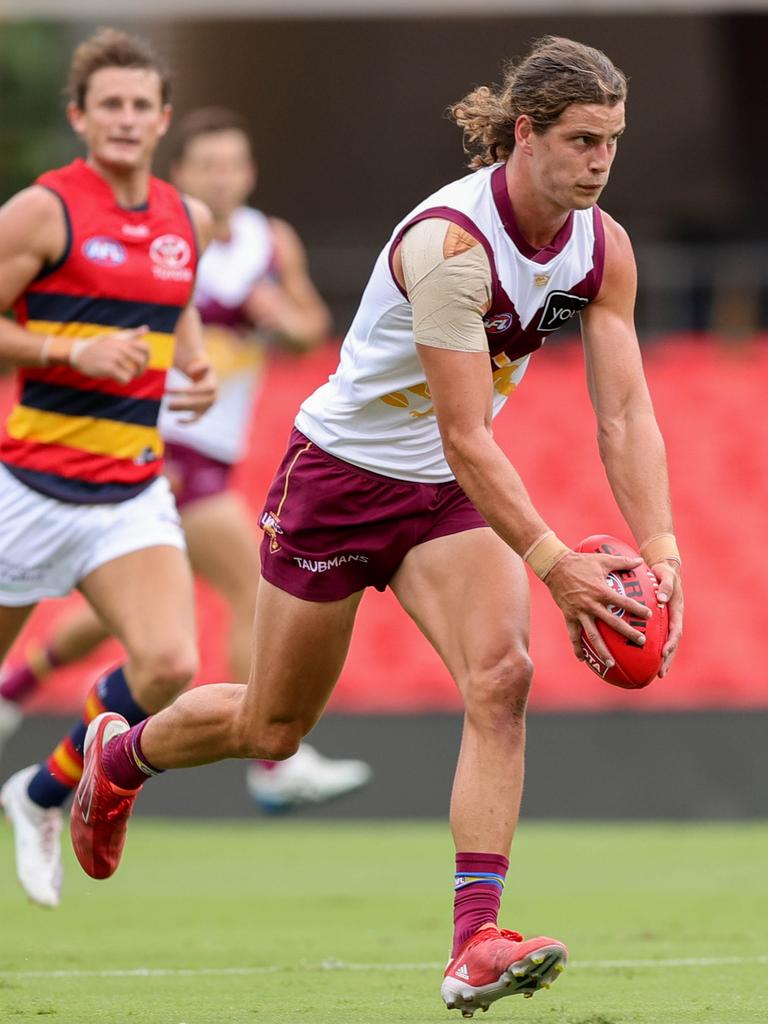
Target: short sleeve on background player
(448, 281)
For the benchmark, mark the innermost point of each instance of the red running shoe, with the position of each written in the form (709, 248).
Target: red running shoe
(100, 811)
(494, 963)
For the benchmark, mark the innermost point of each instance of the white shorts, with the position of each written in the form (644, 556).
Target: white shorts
(47, 546)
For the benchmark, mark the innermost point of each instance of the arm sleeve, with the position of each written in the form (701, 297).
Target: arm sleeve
(448, 281)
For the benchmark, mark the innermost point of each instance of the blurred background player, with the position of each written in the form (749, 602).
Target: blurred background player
(98, 260)
(252, 292)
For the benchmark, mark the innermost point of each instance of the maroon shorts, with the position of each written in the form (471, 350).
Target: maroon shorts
(194, 476)
(331, 529)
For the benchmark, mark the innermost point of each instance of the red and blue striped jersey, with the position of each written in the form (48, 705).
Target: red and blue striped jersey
(85, 439)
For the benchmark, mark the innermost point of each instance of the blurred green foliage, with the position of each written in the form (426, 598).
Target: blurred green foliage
(34, 59)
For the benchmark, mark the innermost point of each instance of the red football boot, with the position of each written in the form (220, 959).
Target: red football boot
(100, 811)
(494, 963)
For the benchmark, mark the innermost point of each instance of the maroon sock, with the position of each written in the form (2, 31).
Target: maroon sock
(478, 887)
(124, 762)
(17, 683)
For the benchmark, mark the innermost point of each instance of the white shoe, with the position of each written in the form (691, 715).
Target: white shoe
(11, 717)
(305, 778)
(38, 846)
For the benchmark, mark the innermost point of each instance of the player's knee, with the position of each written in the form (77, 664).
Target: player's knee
(269, 742)
(499, 691)
(280, 745)
(169, 670)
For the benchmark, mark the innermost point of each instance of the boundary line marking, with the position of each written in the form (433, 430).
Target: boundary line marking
(340, 965)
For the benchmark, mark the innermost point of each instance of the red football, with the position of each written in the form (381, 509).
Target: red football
(635, 666)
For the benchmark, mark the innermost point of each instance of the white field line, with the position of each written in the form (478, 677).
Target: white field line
(339, 965)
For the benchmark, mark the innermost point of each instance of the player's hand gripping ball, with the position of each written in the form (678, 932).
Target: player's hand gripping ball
(635, 666)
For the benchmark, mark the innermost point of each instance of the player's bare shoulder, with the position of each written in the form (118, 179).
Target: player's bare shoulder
(288, 246)
(202, 220)
(34, 218)
(620, 270)
(33, 234)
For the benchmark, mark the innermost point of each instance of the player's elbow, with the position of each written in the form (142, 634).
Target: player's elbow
(463, 448)
(627, 430)
(610, 436)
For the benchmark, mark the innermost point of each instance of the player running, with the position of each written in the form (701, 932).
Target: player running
(252, 292)
(97, 260)
(393, 478)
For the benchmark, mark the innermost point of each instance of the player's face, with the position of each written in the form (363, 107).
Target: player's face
(123, 117)
(572, 159)
(218, 168)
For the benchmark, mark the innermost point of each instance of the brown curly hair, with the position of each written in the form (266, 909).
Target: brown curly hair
(556, 73)
(111, 48)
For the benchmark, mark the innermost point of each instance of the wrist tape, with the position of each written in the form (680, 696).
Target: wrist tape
(544, 554)
(662, 547)
(58, 350)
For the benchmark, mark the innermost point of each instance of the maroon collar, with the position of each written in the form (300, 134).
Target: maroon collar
(507, 215)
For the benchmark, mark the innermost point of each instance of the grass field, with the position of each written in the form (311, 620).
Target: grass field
(292, 923)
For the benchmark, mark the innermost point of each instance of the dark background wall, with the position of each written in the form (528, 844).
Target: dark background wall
(348, 120)
(705, 765)
(348, 115)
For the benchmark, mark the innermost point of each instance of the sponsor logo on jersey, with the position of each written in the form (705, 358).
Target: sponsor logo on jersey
(559, 307)
(323, 565)
(107, 252)
(498, 323)
(135, 230)
(170, 255)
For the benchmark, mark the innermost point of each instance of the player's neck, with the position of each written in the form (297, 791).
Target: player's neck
(538, 219)
(222, 228)
(130, 186)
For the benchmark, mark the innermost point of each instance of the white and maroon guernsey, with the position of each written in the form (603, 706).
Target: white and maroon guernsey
(226, 274)
(375, 411)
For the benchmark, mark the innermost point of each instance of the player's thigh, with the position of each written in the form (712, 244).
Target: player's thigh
(299, 651)
(468, 593)
(146, 598)
(222, 544)
(11, 622)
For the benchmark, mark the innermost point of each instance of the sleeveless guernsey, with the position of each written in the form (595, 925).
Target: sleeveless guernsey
(375, 411)
(226, 274)
(85, 439)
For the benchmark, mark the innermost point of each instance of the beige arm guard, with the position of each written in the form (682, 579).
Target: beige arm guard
(448, 281)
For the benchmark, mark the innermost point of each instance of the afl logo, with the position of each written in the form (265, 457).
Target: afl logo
(498, 323)
(170, 251)
(107, 252)
(615, 583)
